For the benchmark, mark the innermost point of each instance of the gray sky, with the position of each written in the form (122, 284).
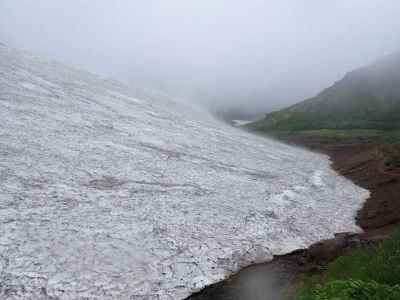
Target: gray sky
(252, 55)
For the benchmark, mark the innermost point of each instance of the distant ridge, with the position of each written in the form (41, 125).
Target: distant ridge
(366, 98)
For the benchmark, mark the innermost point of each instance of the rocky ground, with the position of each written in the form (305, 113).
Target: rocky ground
(365, 163)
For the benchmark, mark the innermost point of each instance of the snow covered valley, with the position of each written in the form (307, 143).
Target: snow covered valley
(106, 196)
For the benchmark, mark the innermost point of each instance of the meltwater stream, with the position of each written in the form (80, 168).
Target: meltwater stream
(106, 196)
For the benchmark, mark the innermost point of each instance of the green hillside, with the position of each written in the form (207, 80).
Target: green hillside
(365, 99)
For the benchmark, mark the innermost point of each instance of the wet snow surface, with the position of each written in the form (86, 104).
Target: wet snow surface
(106, 196)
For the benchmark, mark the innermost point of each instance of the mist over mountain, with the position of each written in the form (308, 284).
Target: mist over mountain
(366, 98)
(126, 182)
(228, 56)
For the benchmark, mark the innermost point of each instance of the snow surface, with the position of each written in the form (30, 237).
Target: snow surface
(110, 197)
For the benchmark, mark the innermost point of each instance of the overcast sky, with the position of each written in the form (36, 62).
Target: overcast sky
(248, 54)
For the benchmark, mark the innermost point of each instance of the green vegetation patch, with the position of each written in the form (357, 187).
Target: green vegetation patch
(353, 290)
(343, 134)
(365, 274)
(373, 135)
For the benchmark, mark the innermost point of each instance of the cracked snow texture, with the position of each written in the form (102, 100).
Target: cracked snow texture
(109, 197)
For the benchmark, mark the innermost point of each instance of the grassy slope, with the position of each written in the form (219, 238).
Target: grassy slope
(362, 107)
(365, 99)
(365, 274)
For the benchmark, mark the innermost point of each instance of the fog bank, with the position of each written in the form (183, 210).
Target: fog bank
(250, 56)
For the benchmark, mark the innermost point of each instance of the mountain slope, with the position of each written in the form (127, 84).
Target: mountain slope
(367, 98)
(109, 196)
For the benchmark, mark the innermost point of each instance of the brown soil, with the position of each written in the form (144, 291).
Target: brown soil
(360, 161)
